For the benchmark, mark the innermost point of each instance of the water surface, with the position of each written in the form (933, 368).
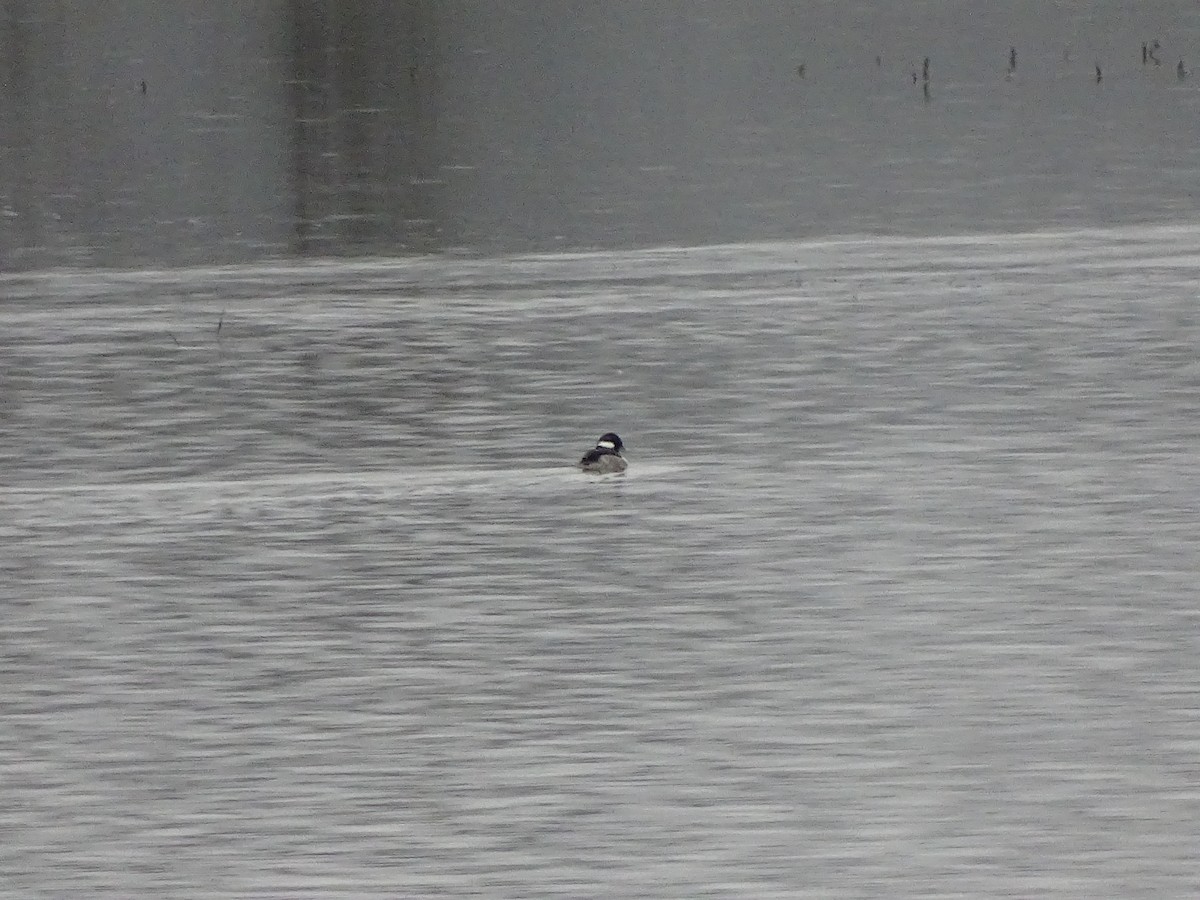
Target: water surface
(303, 597)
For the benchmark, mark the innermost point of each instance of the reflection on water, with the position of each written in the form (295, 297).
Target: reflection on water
(302, 596)
(197, 135)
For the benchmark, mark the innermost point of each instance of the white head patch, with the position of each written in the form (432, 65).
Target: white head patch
(606, 445)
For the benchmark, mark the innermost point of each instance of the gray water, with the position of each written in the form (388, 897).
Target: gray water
(177, 134)
(303, 597)
(307, 311)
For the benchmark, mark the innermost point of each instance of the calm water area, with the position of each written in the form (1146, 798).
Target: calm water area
(303, 596)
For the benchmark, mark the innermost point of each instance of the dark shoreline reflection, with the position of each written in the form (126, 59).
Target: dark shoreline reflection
(219, 135)
(177, 135)
(364, 168)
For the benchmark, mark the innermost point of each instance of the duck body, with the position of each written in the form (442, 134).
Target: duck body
(605, 458)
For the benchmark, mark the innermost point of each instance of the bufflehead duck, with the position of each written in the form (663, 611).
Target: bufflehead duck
(606, 458)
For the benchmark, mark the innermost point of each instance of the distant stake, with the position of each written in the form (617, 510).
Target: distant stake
(220, 322)
(1099, 74)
